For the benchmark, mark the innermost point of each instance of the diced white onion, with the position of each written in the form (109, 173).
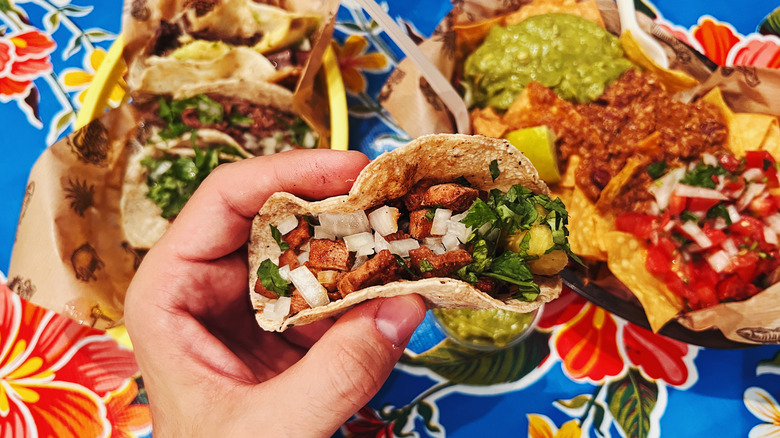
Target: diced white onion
(663, 187)
(753, 174)
(303, 257)
(669, 225)
(278, 309)
(719, 223)
(380, 243)
(770, 236)
(356, 242)
(162, 168)
(344, 224)
(284, 272)
(709, 159)
(696, 234)
(402, 247)
(322, 233)
(450, 242)
(733, 213)
(459, 217)
(306, 246)
(384, 220)
(307, 284)
(287, 224)
(459, 229)
(774, 222)
(359, 260)
(751, 191)
(440, 219)
(698, 192)
(434, 243)
(730, 247)
(283, 305)
(719, 260)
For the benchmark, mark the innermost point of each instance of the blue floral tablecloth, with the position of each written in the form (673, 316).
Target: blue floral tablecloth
(583, 372)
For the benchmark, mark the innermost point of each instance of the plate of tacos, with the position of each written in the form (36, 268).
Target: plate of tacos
(669, 175)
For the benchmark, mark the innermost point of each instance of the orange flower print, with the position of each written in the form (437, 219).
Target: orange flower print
(588, 345)
(54, 373)
(128, 420)
(24, 56)
(79, 80)
(716, 39)
(353, 60)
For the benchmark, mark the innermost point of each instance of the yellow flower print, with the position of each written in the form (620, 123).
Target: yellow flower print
(353, 60)
(761, 404)
(79, 80)
(540, 426)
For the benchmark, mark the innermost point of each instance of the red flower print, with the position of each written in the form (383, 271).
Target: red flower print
(24, 56)
(128, 420)
(561, 310)
(659, 357)
(587, 345)
(716, 39)
(54, 373)
(759, 51)
(367, 424)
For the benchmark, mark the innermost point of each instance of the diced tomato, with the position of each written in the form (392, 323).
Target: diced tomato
(640, 225)
(763, 206)
(733, 288)
(745, 266)
(771, 177)
(716, 236)
(677, 204)
(668, 246)
(748, 226)
(657, 262)
(701, 204)
(707, 296)
(731, 188)
(675, 284)
(729, 162)
(759, 159)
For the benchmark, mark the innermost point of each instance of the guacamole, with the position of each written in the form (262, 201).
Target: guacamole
(484, 328)
(571, 55)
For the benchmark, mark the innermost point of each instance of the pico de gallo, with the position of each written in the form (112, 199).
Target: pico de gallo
(712, 232)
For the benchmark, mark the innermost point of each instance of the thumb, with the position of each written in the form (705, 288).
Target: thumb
(349, 364)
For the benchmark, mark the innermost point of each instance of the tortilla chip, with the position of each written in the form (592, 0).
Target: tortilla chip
(616, 185)
(626, 260)
(588, 10)
(757, 131)
(674, 80)
(442, 157)
(585, 227)
(488, 123)
(568, 178)
(771, 142)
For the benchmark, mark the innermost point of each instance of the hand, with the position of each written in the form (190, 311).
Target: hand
(208, 368)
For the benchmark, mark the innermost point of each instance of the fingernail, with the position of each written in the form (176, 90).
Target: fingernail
(397, 318)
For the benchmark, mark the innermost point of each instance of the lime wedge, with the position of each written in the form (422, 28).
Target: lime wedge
(538, 144)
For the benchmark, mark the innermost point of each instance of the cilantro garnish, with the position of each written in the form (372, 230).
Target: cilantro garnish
(173, 179)
(686, 216)
(402, 263)
(495, 172)
(703, 176)
(268, 273)
(207, 111)
(430, 213)
(719, 210)
(656, 170)
(277, 235)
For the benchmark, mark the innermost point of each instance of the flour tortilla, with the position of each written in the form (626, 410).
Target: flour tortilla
(442, 157)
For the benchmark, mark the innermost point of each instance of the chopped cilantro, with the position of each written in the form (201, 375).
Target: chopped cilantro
(173, 179)
(686, 216)
(402, 263)
(426, 266)
(268, 273)
(284, 246)
(703, 176)
(719, 210)
(656, 170)
(495, 172)
(206, 110)
(430, 213)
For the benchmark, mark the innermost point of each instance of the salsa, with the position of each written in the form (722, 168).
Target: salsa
(712, 232)
(484, 328)
(569, 54)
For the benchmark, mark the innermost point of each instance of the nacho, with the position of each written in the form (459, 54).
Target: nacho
(425, 177)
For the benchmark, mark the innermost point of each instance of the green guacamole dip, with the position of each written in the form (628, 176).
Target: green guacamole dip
(571, 55)
(484, 328)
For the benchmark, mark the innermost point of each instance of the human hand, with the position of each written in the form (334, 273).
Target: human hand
(208, 368)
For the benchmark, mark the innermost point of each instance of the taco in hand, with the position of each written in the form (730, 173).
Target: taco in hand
(464, 221)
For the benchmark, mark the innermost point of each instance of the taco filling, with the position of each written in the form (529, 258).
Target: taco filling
(259, 129)
(711, 231)
(496, 241)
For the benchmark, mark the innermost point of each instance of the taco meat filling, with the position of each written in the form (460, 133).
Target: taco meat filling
(711, 231)
(259, 129)
(495, 241)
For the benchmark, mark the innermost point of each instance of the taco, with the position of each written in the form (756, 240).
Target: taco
(464, 221)
(185, 139)
(216, 40)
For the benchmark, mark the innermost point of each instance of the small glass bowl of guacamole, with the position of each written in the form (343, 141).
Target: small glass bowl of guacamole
(486, 330)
